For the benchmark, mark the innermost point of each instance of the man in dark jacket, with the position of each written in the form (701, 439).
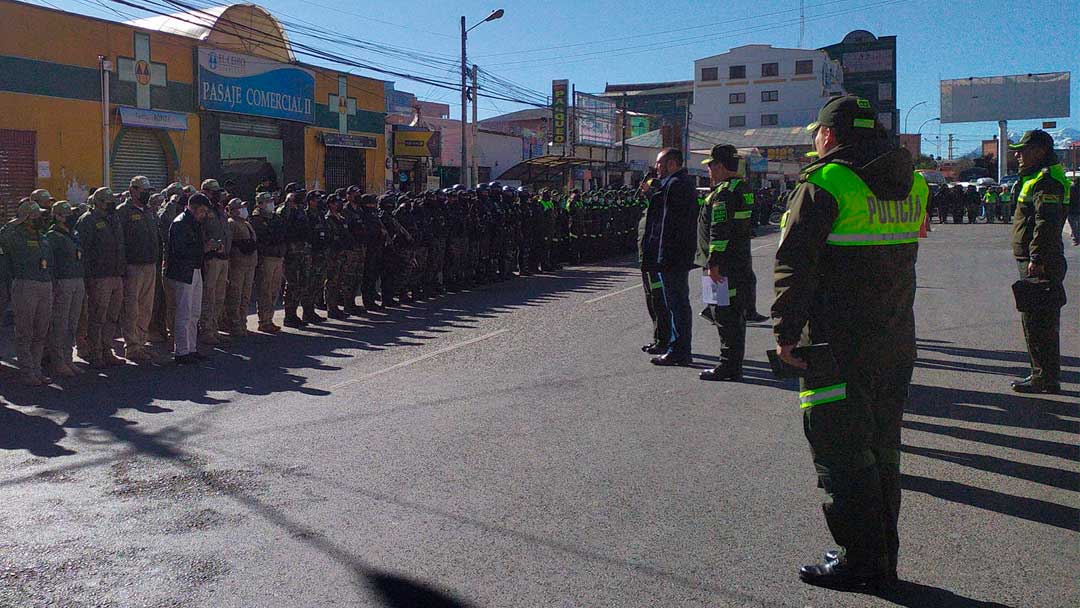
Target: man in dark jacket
(185, 253)
(668, 248)
(141, 250)
(650, 281)
(845, 276)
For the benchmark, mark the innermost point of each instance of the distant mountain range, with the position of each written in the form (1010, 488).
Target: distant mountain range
(1063, 138)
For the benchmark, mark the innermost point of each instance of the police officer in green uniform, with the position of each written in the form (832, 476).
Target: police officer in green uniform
(723, 246)
(30, 262)
(845, 276)
(1041, 208)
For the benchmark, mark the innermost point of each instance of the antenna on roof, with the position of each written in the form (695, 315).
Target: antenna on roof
(802, 21)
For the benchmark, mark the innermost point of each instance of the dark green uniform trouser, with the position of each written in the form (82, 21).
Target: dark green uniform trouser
(854, 435)
(730, 323)
(658, 310)
(1042, 330)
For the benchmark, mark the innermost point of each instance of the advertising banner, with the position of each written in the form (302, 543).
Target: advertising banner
(594, 120)
(418, 143)
(153, 119)
(560, 98)
(242, 84)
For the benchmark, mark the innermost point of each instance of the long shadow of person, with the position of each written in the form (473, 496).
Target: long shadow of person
(399, 592)
(914, 595)
(35, 434)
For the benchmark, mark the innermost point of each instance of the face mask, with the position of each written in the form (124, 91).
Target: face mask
(268, 207)
(144, 198)
(243, 213)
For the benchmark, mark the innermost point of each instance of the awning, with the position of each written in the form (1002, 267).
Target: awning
(547, 168)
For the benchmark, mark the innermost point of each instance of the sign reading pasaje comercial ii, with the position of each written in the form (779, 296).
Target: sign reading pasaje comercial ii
(243, 84)
(560, 90)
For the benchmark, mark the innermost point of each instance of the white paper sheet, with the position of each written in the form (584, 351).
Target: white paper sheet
(714, 293)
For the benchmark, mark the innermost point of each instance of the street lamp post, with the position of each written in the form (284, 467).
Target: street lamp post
(928, 120)
(909, 114)
(465, 177)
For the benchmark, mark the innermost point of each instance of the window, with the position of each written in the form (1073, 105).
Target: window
(736, 121)
(804, 66)
(737, 98)
(770, 69)
(710, 74)
(770, 96)
(769, 120)
(737, 72)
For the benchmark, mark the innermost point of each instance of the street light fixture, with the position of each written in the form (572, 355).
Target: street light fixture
(909, 114)
(926, 121)
(495, 14)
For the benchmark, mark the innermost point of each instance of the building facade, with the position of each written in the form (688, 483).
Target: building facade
(869, 65)
(758, 85)
(175, 101)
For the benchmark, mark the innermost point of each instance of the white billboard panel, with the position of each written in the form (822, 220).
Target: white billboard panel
(594, 120)
(994, 98)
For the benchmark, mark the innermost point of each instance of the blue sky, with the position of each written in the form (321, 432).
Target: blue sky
(631, 41)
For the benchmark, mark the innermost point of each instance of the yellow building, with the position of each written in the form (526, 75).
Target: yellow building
(213, 94)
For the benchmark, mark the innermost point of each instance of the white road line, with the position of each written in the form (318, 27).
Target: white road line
(419, 359)
(614, 293)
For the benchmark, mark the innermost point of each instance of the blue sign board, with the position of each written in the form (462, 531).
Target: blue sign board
(243, 84)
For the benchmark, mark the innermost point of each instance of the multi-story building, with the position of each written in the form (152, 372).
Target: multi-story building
(758, 85)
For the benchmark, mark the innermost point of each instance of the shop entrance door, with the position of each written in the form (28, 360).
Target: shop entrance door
(344, 168)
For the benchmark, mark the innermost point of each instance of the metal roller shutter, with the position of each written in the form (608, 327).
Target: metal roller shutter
(252, 127)
(139, 152)
(18, 173)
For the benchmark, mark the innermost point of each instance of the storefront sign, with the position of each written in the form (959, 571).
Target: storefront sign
(560, 91)
(422, 143)
(242, 84)
(342, 140)
(153, 119)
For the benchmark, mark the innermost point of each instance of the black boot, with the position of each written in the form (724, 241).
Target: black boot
(293, 321)
(838, 574)
(722, 373)
(310, 316)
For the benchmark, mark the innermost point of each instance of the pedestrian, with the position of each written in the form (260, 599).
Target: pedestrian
(297, 262)
(30, 261)
(215, 230)
(185, 259)
(270, 243)
(723, 244)
(650, 281)
(175, 203)
(243, 259)
(1041, 207)
(104, 263)
(670, 237)
(69, 289)
(141, 250)
(845, 277)
(1074, 211)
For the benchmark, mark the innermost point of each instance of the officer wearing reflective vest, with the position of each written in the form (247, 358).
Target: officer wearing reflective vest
(724, 233)
(845, 276)
(1041, 208)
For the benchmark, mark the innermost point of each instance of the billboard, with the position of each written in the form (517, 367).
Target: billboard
(994, 98)
(243, 84)
(594, 120)
(560, 97)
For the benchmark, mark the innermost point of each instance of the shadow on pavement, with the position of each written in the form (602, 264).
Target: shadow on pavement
(1004, 409)
(914, 595)
(1068, 451)
(1031, 509)
(400, 592)
(1048, 476)
(35, 434)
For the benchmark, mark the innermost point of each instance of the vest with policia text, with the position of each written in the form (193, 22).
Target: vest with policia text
(863, 219)
(1054, 172)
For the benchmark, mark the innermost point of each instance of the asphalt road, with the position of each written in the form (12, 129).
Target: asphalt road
(511, 446)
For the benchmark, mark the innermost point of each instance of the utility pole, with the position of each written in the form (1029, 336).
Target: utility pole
(106, 66)
(464, 112)
(950, 146)
(802, 21)
(474, 164)
(625, 128)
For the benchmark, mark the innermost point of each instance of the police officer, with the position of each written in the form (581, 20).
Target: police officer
(270, 245)
(69, 289)
(102, 238)
(723, 246)
(215, 229)
(845, 275)
(30, 262)
(142, 248)
(1041, 207)
(375, 238)
(340, 244)
(356, 256)
(297, 262)
(243, 261)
